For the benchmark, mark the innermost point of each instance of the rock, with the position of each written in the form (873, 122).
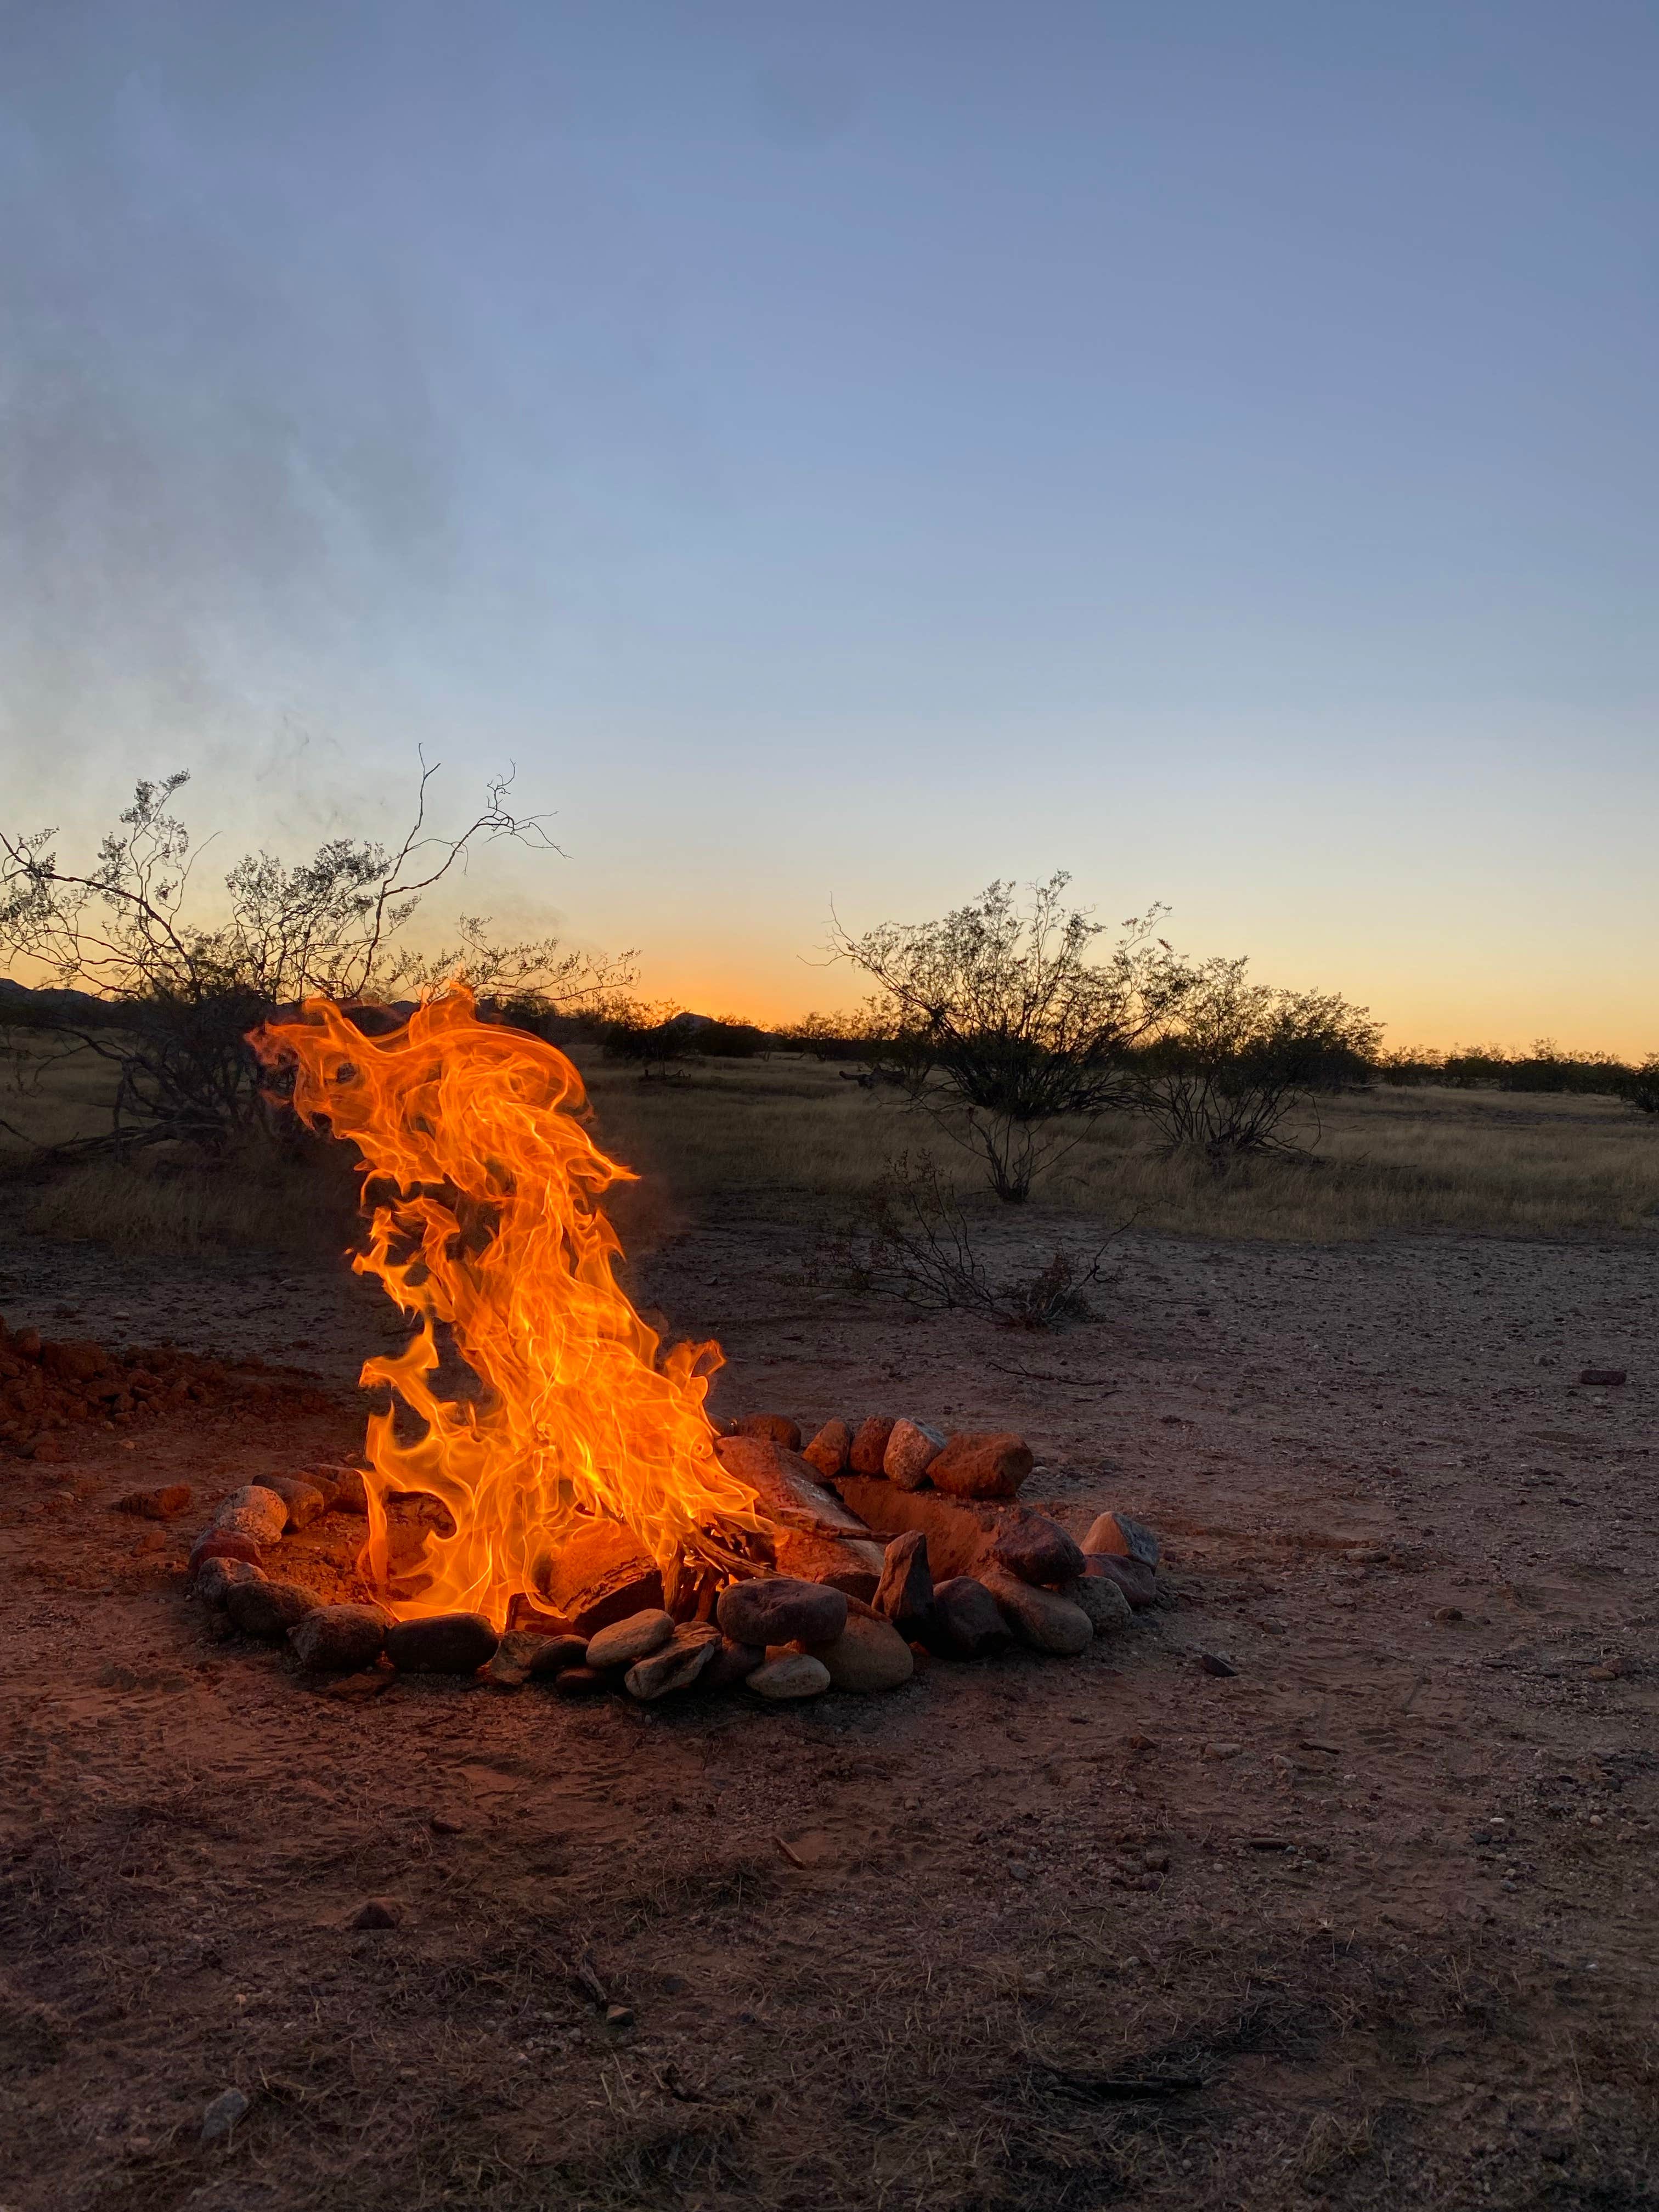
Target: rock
(1610, 1375)
(1035, 1548)
(780, 1609)
(305, 1502)
(267, 1609)
(827, 1452)
(677, 1665)
(557, 1653)
(1133, 1576)
(163, 1504)
(1099, 1596)
(221, 2115)
(776, 1428)
(732, 1664)
(253, 1511)
(867, 1655)
(339, 1639)
(350, 1491)
(982, 1466)
(354, 1689)
(905, 1595)
(378, 1912)
(795, 1675)
(223, 1544)
(868, 1448)
(912, 1448)
(1214, 1664)
(218, 1577)
(1116, 1534)
(581, 1682)
(626, 1641)
(602, 1573)
(619, 2015)
(957, 1530)
(1041, 1618)
(966, 1622)
(515, 1656)
(441, 1643)
(817, 1540)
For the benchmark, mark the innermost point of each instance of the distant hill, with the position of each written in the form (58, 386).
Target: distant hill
(23, 1007)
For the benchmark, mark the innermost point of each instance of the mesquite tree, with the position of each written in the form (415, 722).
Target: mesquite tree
(1017, 1030)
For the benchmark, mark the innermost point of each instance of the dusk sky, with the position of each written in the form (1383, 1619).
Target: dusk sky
(842, 454)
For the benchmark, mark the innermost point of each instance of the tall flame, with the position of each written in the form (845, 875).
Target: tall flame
(482, 1186)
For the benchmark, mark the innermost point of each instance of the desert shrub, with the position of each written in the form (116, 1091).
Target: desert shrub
(178, 994)
(1236, 1059)
(1005, 1026)
(915, 1243)
(1640, 1086)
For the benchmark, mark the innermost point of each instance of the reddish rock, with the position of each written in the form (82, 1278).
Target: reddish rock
(1117, 1535)
(981, 1466)
(816, 1538)
(827, 1455)
(905, 1595)
(253, 1511)
(554, 1654)
(223, 1543)
(217, 1578)
(163, 1504)
(350, 1491)
(776, 1428)
(305, 1502)
(869, 1446)
(868, 1655)
(73, 1359)
(581, 1682)
(957, 1530)
(1035, 1548)
(676, 1665)
(911, 1450)
(1041, 1618)
(966, 1622)
(378, 1912)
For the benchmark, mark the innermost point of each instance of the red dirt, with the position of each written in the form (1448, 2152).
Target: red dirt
(904, 1951)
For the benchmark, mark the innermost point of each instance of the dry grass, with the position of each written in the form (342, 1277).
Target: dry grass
(788, 1135)
(785, 1131)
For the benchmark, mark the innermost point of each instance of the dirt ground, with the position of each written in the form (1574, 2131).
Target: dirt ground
(1370, 1921)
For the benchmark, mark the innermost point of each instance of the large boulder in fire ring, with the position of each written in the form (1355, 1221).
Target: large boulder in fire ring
(827, 1453)
(216, 1577)
(441, 1643)
(781, 1609)
(339, 1639)
(981, 1466)
(1099, 1596)
(773, 1428)
(792, 1675)
(905, 1595)
(305, 1501)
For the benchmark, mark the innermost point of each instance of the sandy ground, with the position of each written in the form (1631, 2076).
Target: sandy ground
(1371, 1921)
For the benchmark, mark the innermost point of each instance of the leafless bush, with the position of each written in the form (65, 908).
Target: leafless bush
(916, 1243)
(175, 996)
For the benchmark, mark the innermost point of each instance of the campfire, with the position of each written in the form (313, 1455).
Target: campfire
(592, 1523)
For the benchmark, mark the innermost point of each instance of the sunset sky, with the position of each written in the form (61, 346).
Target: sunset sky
(844, 454)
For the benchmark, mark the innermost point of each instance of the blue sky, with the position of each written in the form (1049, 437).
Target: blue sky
(844, 454)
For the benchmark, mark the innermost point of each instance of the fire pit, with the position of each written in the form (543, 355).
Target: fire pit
(585, 1521)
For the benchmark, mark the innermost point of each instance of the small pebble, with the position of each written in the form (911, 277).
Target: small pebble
(379, 1912)
(221, 2115)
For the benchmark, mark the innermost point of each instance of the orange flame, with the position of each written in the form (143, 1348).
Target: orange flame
(482, 1186)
